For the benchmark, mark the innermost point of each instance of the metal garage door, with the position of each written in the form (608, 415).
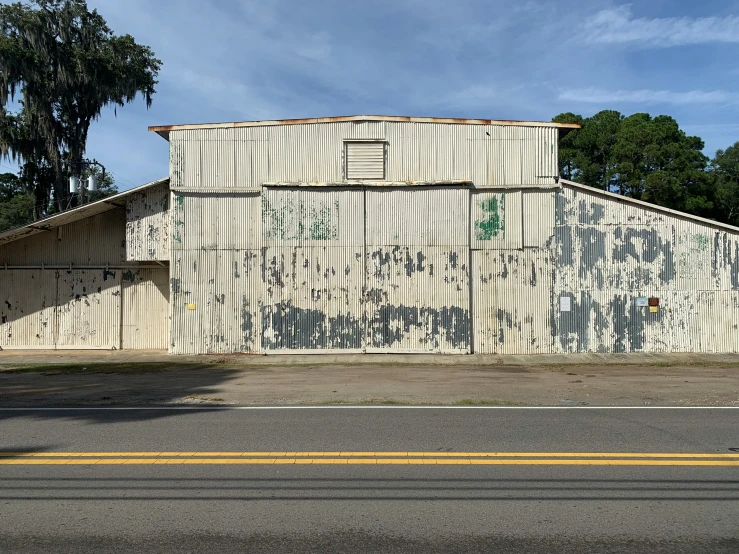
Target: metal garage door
(313, 269)
(61, 308)
(417, 290)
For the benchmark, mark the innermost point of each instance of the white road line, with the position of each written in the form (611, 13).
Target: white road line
(350, 407)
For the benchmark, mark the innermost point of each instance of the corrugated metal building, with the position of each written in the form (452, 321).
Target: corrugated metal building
(371, 234)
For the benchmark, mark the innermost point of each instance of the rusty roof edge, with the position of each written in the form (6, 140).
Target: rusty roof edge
(47, 223)
(163, 130)
(648, 205)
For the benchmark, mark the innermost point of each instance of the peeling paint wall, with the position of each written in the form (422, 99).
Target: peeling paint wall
(75, 300)
(512, 301)
(417, 288)
(609, 253)
(27, 308)
(512, 265)
(246, 157)
(215, 273)
(147, 224)
(313, 269)
(60, 308)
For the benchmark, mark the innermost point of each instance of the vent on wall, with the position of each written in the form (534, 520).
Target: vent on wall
(365, 160)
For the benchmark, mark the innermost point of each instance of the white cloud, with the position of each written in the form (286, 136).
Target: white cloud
(644, 96)
(618, 26)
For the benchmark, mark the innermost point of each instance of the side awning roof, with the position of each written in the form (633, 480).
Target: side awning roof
(70, 216)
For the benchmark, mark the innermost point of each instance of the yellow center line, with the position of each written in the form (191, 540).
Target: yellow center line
(269, 454)
(358, 461)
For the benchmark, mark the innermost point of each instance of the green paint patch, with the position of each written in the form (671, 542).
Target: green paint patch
(297, 220)
(492, 221)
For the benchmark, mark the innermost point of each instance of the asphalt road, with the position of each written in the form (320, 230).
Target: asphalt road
(101, 504)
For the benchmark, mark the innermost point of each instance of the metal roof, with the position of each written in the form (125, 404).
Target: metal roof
(647, 205)
(70, 216)
(163, 130)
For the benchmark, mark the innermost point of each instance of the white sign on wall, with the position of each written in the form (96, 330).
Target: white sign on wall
(565, 303)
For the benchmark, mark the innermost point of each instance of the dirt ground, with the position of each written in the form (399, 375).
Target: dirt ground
(36, 379)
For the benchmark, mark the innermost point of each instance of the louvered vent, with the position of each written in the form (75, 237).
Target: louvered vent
(365, 160)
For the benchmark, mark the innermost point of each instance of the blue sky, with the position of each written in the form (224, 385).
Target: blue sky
(234, 60)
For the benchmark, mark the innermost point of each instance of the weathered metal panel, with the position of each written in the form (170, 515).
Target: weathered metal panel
(610, 253)
(215, 285)
(217, 159)
(538, 217)
(547, 156)
(374, 130)
(417, 216)
(193, 323)
(245, 157)
(97, 240)
(417, 288)
(89, 309)
(512, 295)
(403, 163)
(27, 308)
(191, 160)
(147, 225)
(312, 269)
(251, 158)
(496, 220)
(512, 156)
(177, 152)
(145, 308)
(237, 299)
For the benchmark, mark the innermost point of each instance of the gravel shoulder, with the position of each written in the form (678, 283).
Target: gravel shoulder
(101, 379)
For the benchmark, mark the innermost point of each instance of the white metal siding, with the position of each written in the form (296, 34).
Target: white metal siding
(496, 220)
(97, 240)
(244, 158)
(27, 308)
(538, 218)
(89, 309)
(145, 308)
(608, 254)
(365, 160)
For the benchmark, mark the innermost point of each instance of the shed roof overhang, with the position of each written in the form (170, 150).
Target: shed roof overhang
(76, 214)
(164, 130)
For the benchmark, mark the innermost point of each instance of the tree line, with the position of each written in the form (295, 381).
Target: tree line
(651, 159)
(60, 65)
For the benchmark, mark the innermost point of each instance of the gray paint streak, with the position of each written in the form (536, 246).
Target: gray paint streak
(390, 323)
(307, 329)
